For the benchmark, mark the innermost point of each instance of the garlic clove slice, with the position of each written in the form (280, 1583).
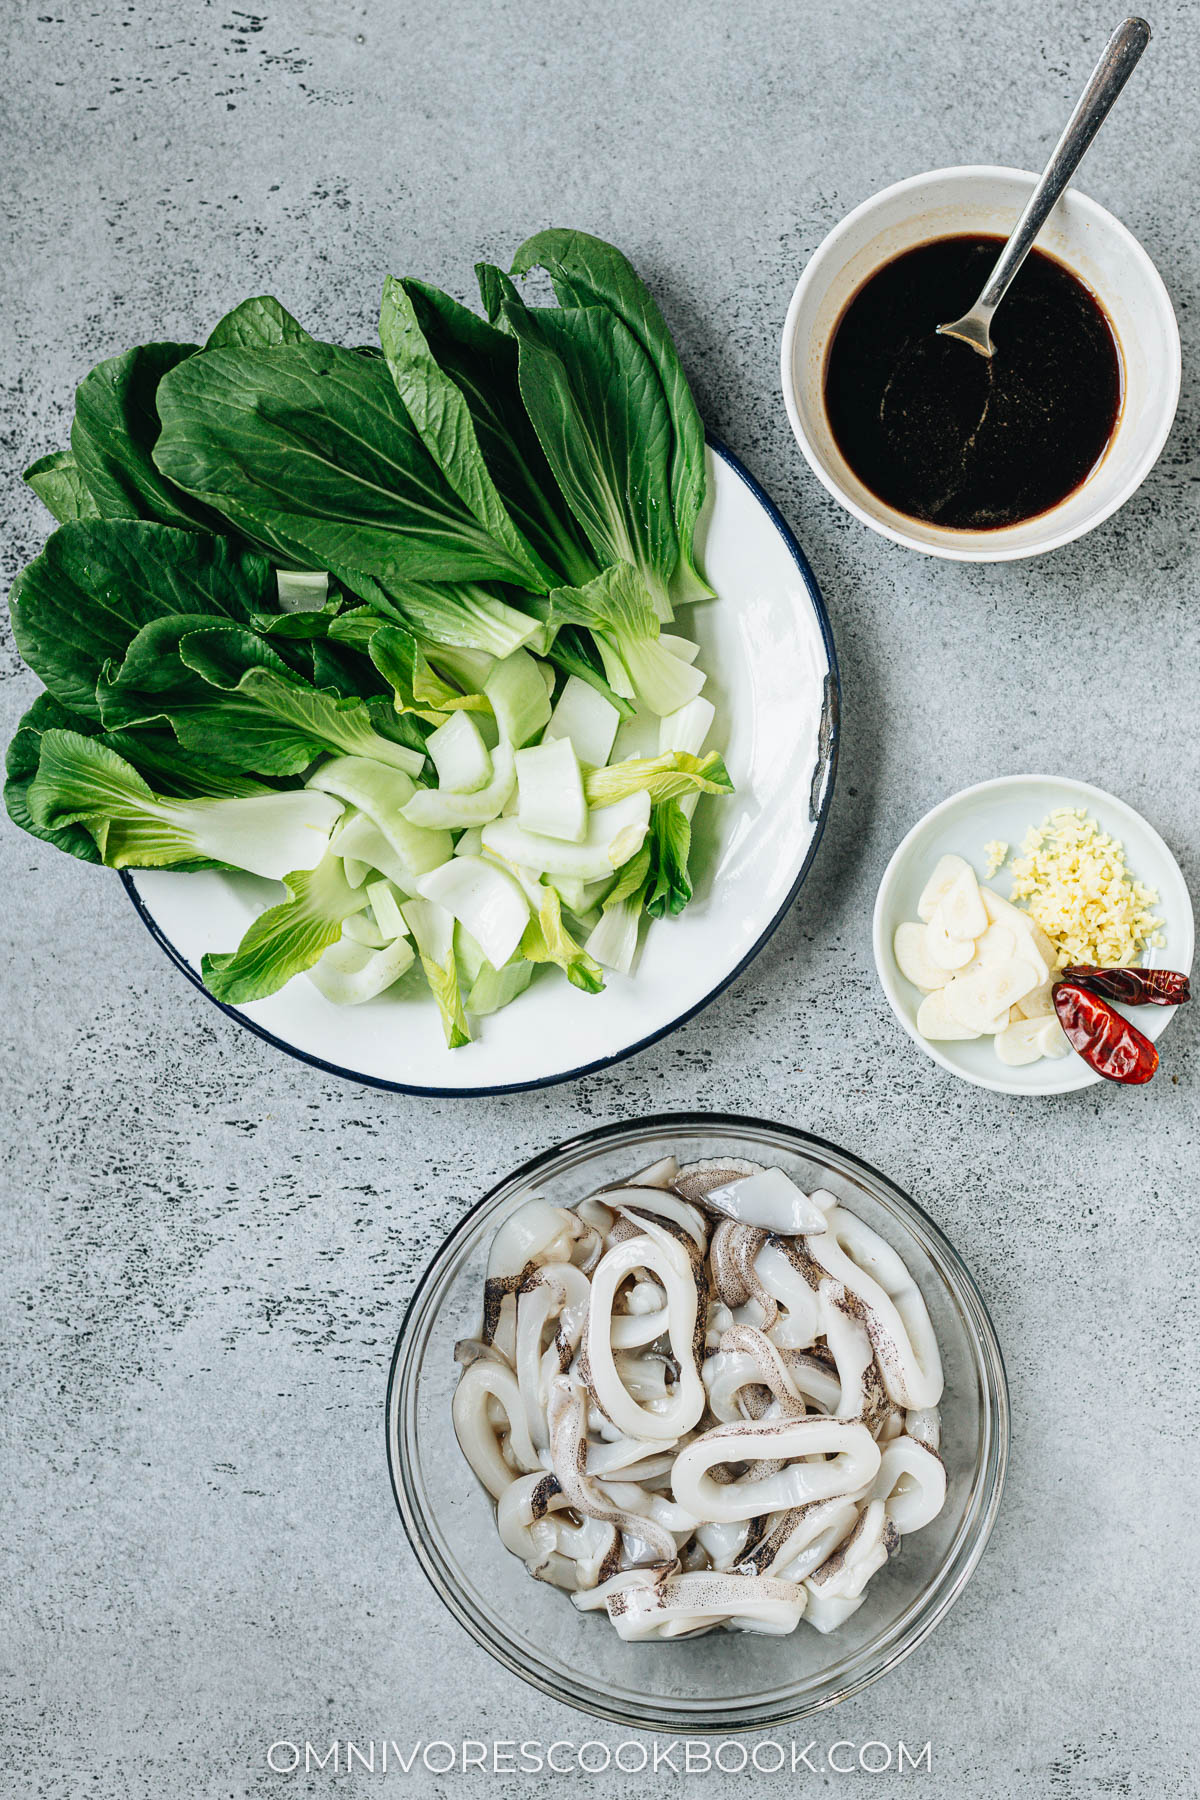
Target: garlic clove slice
(934, 1021)
(946, 872)
(961, 907)
(981, 1001)
(914, 961)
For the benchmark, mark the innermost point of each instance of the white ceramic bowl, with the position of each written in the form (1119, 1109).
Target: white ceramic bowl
(1005, 810)
(773, 679)
(1094, 245)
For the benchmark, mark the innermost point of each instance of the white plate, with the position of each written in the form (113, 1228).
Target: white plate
(772, 675)
(1005, 810)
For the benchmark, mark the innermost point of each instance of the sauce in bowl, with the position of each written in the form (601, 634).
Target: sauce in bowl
(954, 438)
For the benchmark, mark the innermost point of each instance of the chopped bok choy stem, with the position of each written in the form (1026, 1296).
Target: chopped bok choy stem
(517, 692)
(459, 755)
(550, 791)
(433, 929)
(350, 973)
(614, 834)
(484, 899)
(587, 719)
(430, 808)
(382, 796)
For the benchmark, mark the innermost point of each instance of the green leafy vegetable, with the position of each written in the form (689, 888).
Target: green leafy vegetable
(21, 766)
(116, 427)
(480, 362)
(585, 271)
(433, 929)
(80, 604)
(257, 324)
(56, 481)
(417, 686)
(618, 612)
(547, 940)
(309, 448)
(282, 562)
(601, 418)
(227, 693)
(670, 846)
(80, 781)
(665, 777)
(439, 410)
(462, 615)
(286, 939)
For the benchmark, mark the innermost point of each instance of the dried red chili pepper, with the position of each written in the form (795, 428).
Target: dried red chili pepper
(1136, 987)
(1107, 1042)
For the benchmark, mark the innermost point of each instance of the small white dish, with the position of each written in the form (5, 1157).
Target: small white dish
(1094, 245)
(1004, 810)
(772, 675)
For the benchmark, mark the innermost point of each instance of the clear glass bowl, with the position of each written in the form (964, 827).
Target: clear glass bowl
(724, 1681)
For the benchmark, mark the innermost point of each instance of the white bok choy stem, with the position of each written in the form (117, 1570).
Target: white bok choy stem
(484, 898)
(614, 834)
(432, 809)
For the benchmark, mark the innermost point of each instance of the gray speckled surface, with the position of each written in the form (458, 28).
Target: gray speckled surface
(208, 1247)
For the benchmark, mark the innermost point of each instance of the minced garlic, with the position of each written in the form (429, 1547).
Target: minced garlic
(1074, 883)
(997, 854)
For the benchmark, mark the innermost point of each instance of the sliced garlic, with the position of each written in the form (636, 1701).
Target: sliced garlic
(1039, 1004)
(1053, 1039)
(1020, 1043)
(1003, 912)
(944, 950)
(947, 871)
(997, 944)
(981, 1001)
(933, 1020)
(913, 961)
(961, 908)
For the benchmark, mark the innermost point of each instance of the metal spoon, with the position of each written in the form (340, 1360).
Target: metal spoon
(1109, 76)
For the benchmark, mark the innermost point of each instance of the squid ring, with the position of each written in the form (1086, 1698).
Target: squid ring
(855, 1462)
(665, 1258)
(480, 1382)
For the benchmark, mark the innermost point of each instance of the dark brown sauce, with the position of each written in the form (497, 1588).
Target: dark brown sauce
(954, 438)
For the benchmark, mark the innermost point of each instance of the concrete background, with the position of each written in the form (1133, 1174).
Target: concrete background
(208, 1247)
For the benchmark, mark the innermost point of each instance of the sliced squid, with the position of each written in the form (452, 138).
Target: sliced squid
(693, 1414)
(664, 1257)
(687, 1604)
(851, 1453)
(770, 1200)
(870, 1273)
(482, 1382)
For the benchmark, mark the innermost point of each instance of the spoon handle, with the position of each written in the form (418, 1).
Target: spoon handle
(1116, 65)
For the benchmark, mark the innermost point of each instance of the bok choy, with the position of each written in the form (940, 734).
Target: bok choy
(366, 623)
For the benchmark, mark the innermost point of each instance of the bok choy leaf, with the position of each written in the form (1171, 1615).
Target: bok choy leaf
(288, 938)
(309, 448)
(601, 418)
(587, 272)
(226, 693)
(665, 777)
(56, 481)
(479, 362)
(115, 430)
(439, 410)
(617, 610)
(80, 781)
(547, 940)
(80, 604)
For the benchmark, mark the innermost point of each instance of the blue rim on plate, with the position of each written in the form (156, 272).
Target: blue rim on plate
(820, 799)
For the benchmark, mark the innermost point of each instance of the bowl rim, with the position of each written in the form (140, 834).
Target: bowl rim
(962, 1556)
(1076, 1074)
(1168, 385)
(823, 781)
